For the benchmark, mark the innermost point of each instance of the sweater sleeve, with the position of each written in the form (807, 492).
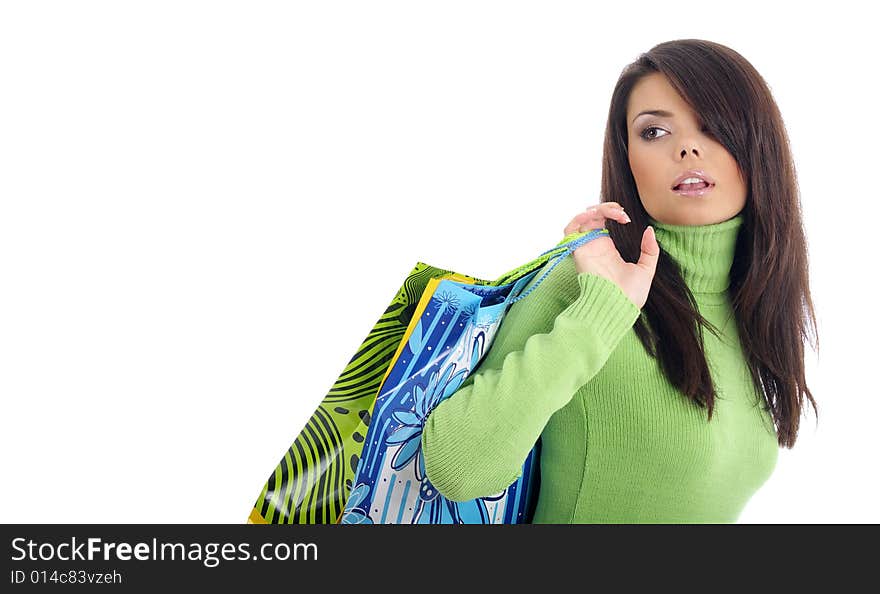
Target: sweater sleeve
(476, 441)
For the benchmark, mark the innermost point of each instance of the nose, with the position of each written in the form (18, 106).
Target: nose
(684, 151)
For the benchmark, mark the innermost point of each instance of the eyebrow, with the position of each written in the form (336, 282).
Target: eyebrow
(658, 112)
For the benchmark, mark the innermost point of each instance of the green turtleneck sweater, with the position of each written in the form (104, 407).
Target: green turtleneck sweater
(619, 443)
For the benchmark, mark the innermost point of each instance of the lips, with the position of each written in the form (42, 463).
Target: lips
(700, 189)
(698, 186)
(698, 173)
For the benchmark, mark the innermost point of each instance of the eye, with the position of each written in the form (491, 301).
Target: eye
(644, 133)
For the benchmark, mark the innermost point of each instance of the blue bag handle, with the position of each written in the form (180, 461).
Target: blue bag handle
(568, 248)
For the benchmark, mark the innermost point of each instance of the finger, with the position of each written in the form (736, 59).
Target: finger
(650, 251)
(595, 216)
(578, 222)
(608, 210)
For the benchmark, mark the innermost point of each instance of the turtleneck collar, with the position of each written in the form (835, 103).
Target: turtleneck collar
(704, 253)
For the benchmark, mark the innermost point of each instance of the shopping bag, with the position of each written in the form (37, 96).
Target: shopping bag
(330, 472)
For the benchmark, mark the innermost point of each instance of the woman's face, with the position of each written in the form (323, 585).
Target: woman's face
(661, 147)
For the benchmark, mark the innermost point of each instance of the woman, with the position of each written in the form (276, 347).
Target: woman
(641, 415)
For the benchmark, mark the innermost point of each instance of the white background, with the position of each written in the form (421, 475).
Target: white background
(205, 207)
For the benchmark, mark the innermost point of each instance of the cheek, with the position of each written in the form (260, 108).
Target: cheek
(645, 172)
(635, 162)
(733, 177)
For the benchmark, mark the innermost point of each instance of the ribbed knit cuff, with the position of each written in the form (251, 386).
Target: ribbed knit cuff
(603, 304)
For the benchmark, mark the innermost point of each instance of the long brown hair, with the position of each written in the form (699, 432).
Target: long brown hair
(769, 284)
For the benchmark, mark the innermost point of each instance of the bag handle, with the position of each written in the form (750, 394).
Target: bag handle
(565, 247)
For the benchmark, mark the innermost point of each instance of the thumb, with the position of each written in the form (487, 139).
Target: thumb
(650, 251)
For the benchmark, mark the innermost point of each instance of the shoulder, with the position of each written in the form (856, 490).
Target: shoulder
(557, 289)
(537, 311)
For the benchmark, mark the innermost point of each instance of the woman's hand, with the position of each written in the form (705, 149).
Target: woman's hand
(600, 256)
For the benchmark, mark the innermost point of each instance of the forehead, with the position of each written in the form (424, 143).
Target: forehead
(655, 92)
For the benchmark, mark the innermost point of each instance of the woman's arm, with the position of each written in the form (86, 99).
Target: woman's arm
(476, 441)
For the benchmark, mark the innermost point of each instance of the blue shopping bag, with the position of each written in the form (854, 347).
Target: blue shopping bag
(450, 332)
